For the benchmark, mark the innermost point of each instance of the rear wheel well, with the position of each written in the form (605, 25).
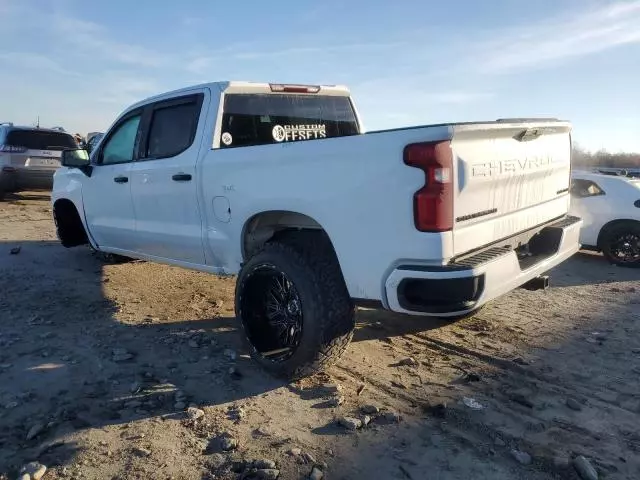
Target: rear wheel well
(267, 226)
(69, 226)
(610, 225)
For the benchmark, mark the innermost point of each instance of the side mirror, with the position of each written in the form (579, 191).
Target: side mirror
(76, 158)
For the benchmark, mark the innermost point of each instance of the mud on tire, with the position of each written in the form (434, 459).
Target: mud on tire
(308, 323)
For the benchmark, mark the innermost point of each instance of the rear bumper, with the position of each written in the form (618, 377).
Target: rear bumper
(466, 285)
(14, 179)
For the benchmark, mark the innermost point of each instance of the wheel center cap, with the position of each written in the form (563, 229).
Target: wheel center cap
(293, 308)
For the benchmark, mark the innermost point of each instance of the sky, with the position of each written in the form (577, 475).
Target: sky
(78, 63)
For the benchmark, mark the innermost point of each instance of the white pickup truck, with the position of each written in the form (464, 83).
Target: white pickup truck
(280, 185)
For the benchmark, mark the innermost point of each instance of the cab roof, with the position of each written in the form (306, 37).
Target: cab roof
(239, 87)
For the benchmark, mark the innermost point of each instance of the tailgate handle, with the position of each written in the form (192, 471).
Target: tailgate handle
(529, 134)
(121, 179)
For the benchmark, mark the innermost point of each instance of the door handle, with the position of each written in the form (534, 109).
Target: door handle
(121, 179)
(181, 177)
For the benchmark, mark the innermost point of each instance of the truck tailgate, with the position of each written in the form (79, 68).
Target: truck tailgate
(510, 177)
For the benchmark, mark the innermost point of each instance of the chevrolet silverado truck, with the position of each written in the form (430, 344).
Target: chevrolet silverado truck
(280, 185)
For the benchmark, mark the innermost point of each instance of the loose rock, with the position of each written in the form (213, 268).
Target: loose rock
(331, 388)
(121, 355)
(366, 420)
(227, 443)
(392, 417)
(350, 423)
(574, 404)
(194, 413)
(584, 468)
(15, 250)
(472, 403)
(216, 460)
(316, 474)
(370, 409)
(35, 430)
(142, 452)
(408, 362)
(561, 460)
(33, 470)
(336, 401)
(236, 413)
(230, 354)
(308, 458)
(267, 474)
(522, 458)
(295, 451)
(263, 464)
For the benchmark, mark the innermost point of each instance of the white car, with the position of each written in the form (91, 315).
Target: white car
(610, 208)
(280, 185)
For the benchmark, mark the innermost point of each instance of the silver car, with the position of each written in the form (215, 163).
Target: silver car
(29, 157)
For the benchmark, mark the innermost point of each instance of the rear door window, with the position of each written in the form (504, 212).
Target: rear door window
(40, 140)
(173, 127)
(262, 119)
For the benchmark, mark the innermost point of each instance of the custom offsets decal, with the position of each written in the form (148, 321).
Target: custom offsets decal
(290, 133)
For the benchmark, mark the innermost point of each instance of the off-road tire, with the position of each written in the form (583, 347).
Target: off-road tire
(611, 234)
(308, 260)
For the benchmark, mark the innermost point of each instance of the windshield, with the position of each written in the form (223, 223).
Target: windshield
(259, 119)
(40, 140)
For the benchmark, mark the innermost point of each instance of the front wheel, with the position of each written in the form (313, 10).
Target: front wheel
(621, 244)
(294, 307)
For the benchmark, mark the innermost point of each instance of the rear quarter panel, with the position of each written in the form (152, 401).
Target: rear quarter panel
(357, 188)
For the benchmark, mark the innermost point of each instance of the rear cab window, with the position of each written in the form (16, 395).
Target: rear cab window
(263, 119)
(40, 140)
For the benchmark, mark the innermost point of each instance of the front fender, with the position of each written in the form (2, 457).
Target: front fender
(67, 184)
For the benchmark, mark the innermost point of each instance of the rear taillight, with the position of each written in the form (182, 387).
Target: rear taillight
(433, 203)
(12, 149)
(275, 87)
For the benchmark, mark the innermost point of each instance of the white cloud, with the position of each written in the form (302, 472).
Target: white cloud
(91, 38)
(571, 35)
(36, 61)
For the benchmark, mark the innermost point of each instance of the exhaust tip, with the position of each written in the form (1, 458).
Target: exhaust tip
(538, 283)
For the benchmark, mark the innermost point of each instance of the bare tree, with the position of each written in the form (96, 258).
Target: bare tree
(603, 158)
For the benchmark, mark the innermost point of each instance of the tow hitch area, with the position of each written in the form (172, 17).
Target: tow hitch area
(538, 283)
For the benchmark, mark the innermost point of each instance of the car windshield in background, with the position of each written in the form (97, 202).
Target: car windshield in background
(40, 140)
(256, 119)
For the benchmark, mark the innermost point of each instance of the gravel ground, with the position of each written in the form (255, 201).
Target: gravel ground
(137, 371)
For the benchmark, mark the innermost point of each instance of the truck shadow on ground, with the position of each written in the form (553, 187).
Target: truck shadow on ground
(70, 361)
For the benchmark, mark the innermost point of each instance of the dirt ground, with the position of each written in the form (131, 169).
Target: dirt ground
(99, 362)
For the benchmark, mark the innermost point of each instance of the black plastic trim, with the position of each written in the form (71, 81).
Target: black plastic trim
(441, 295)
(464, 218)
